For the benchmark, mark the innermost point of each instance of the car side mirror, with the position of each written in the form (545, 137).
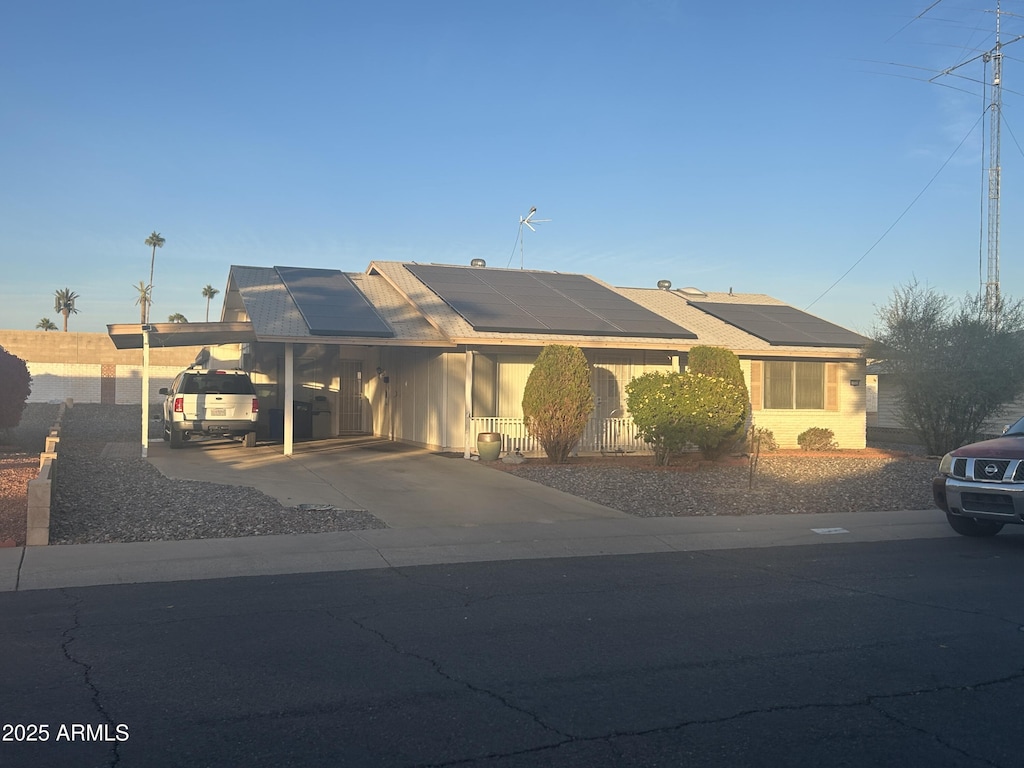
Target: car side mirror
(162, 390)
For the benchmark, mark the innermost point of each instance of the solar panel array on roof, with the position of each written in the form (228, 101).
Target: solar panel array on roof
(331, 304)
(781, 325)
(515, 301)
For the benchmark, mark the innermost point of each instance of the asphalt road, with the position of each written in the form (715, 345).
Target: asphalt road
(907, 653)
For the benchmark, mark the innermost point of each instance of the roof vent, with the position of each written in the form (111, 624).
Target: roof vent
(692, 292)
(478, 263)
(664, 284)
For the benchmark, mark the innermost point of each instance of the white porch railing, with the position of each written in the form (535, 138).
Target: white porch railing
(617, 435)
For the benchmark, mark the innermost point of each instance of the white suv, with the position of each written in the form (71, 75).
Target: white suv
(212, 404)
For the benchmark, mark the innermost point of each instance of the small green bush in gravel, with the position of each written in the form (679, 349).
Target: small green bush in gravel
(817, 439)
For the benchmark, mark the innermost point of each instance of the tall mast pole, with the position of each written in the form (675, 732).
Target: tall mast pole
(995, 57)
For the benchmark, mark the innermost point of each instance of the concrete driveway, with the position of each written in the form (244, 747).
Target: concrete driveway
(406, 487)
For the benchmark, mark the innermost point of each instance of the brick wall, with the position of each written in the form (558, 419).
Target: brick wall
(89, 368)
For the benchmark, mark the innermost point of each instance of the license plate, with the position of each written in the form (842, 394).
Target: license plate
(217, 412)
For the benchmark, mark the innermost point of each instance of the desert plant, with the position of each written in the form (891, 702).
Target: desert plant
(817, 439)
(64, 302)
(154, 241)
(46, 324)
(177, 317)
(208, 293)
(557, 400)
(15, 387)
(674, 410)
(953, 365)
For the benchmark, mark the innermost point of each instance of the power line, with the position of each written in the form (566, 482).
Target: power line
(900, 217)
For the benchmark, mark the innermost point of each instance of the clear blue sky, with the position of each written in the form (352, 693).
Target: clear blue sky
(750, 145)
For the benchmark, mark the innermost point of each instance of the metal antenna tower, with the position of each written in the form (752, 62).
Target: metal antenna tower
(994, 111)
(995, 121)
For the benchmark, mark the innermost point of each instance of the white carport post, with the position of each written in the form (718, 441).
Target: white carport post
(289, 397)
(145, 391)
(469, 403)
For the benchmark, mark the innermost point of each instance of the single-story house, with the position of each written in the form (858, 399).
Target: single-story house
(434, 354)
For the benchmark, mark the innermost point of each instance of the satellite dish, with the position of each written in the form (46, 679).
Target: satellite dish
(528, 221)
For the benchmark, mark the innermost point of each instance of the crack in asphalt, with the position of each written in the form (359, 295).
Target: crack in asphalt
(67, 638)
(439, 669)
(870, 701)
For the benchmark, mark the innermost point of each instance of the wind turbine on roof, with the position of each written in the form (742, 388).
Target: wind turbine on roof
(528, 221)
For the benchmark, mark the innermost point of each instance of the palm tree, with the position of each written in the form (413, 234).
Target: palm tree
(64, 302)
(155, 241)
(208, 293)
(142, 301)
(177, 317)
(47, 324)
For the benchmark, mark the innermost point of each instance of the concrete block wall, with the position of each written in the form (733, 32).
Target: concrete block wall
(88, 368)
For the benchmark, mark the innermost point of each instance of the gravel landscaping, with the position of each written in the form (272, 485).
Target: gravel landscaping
(100, 497)
(788, 482)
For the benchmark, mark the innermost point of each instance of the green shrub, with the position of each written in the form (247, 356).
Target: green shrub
(675, 410)
(722, 363)
(557, 400)
(15, 387)
(817, 439)
(765, 437)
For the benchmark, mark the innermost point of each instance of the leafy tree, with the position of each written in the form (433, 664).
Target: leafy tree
(177, 317)
(723, 363)
(142, 301)
(15, 387)
(557, 400)
(46, 324)
(154, 241)
(675, 410)
(954, 365)
(64, 302)
(208, 293)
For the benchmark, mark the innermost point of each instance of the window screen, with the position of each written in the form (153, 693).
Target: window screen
(789, 384)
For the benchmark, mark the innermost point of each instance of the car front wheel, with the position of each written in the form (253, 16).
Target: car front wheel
(969, 526)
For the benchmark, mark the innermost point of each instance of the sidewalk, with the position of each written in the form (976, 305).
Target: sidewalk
(93, 564)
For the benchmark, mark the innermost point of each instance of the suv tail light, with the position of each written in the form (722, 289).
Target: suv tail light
(255, 405)
(179, 405)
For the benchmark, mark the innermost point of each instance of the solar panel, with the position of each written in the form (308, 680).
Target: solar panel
(330, 303)
(517, 301)
(782, 325)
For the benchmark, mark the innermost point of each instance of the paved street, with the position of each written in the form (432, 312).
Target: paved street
(902, 653)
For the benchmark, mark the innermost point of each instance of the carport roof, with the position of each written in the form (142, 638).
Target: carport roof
(129, 335)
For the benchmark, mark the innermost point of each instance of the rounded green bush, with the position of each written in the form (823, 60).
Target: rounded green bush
(557, 400)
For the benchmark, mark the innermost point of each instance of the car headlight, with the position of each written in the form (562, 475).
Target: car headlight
(946, 465)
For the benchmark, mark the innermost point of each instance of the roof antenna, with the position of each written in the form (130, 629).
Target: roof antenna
(529, 221)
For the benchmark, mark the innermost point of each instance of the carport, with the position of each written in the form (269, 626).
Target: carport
(127, 336)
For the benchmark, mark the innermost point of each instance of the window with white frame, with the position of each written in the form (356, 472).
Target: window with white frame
(791, 384)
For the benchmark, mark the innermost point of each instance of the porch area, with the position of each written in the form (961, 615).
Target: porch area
(616, 435)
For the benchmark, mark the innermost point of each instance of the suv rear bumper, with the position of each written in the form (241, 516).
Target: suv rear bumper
(999, 502)
(219, 427)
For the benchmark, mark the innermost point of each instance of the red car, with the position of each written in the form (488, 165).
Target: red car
(980, 486)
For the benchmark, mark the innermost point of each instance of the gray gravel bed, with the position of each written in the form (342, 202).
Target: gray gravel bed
(784, 484)
(118, 499)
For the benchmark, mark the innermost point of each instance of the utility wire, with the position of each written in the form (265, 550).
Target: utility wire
(900, 217)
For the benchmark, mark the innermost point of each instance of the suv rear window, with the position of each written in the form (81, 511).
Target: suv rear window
(216, 384)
